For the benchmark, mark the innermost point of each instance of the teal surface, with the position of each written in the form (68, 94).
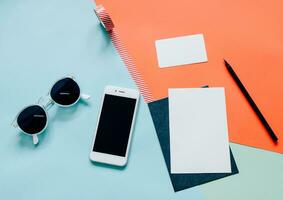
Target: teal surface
(41, 41)
(260, 177)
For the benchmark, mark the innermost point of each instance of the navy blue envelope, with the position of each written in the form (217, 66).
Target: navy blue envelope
(160, 114)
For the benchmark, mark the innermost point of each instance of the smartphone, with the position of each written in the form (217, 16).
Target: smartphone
(114, 128)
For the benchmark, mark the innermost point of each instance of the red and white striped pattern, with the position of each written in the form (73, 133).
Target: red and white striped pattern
(107, 23)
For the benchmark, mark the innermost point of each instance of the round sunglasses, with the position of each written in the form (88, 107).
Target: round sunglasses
(33, 119)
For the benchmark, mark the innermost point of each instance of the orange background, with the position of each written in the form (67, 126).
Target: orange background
(248, 34)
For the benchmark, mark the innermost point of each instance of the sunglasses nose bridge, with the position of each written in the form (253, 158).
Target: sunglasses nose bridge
(46, 101)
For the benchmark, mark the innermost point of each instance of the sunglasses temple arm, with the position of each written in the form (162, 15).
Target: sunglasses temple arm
(14, 122)
(35, 139)
(85, 96)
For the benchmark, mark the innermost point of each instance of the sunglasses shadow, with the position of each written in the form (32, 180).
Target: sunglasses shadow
(64, 114)
(67, 113)
(26, 141)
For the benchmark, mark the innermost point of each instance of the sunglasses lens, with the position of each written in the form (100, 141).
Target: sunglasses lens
(65, 92)
(32, 119)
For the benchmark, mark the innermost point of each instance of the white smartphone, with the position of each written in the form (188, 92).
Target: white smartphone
(114, 128)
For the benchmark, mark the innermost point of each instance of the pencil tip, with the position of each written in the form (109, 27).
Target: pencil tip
(226, 63)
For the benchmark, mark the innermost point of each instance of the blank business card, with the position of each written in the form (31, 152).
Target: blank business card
(181, 50)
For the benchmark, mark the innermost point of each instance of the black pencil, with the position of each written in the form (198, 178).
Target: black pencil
(251, 102)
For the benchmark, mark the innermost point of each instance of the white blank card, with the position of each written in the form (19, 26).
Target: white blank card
(181, 50)
(198, 131)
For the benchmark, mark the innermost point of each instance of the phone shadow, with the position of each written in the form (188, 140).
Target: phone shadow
(108, 166)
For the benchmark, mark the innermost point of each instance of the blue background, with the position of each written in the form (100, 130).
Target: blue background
(44, 40)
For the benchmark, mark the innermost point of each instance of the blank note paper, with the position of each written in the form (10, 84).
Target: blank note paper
(198, 131)
(181, 50)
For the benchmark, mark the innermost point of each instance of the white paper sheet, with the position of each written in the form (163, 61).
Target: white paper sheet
(198, 131)
(181, 50)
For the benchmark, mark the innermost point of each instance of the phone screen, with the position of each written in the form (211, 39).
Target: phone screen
(114, 125)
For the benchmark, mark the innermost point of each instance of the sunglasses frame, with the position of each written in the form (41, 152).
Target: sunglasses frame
(46, 107)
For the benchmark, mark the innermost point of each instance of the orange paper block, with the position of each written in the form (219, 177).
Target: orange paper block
(248, 34)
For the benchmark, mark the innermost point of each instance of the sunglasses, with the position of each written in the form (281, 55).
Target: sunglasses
(32, 120)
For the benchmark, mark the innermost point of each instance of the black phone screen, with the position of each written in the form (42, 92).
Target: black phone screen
(114, 125)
